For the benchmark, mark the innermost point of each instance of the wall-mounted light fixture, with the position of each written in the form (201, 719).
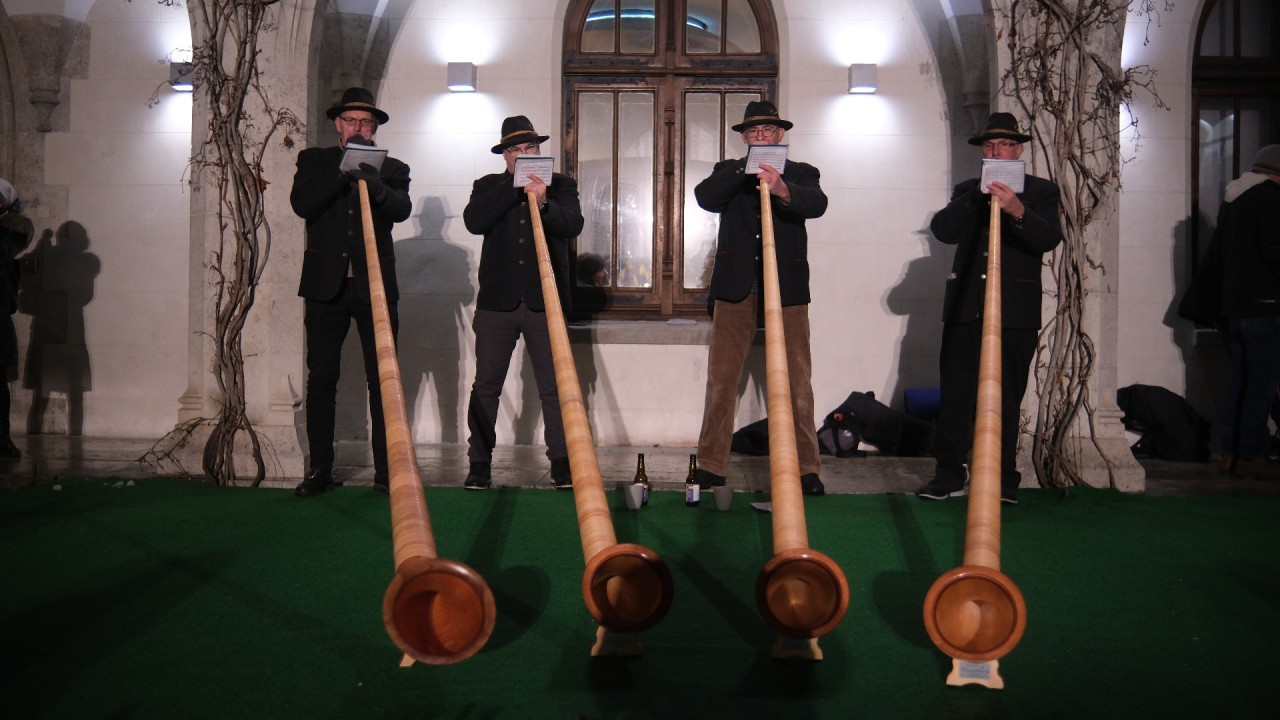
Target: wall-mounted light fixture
(862, 78)
(180, 74)
(461, 77)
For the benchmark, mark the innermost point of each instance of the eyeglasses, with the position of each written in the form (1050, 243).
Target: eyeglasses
(761, 130)
(358, 122)
(999, 145)
(525, 149)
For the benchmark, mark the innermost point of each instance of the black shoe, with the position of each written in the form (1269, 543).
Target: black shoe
(477, 476)
(317, 482)
(939, 489)
(708, 480)
(560, 475)
(811, 484)
(381, 483)
(8, 449)
(1009, 496)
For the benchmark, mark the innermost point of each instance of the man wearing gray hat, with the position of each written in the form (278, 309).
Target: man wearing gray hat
(509, 304)
(735, 296)
(1249, 232)
(1029, 228)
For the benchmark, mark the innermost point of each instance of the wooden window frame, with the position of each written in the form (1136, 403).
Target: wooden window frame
(669, 73)
(1227, 76)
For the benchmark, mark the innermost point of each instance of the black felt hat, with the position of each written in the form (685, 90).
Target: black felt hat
(1000, 126)
(760, 112)
(357, 98)
(517, 130)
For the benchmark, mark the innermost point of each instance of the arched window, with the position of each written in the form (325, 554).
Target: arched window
(1235, 97)
(650, 90)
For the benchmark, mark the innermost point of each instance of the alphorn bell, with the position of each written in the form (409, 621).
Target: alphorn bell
(801, 592)
(974, 612)
(627, 587)
(437, 611)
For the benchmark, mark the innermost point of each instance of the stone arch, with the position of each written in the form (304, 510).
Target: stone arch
(9, 62)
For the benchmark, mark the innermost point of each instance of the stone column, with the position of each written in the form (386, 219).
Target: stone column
(1097, 447)
(273, 340)
(46, 41)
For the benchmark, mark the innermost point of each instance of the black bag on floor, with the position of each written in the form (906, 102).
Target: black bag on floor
(1171, 429)
(834, 439)
(752, 439)
(892, 432)
(860, 418)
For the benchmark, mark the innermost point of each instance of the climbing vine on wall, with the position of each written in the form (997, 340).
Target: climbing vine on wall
(243, 124)
(1063, 72)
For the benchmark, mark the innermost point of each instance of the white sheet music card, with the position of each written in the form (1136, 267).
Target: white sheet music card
(1009, 172)
(775, 156)
(537, 165)
(356, 154)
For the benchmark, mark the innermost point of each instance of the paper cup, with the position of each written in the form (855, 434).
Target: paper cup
(634, 494)
(724, 497)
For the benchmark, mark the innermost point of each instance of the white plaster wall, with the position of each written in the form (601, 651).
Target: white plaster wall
(122, 165)
(877, 278)
(1154, 346)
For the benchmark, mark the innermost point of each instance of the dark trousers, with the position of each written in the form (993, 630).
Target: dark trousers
(733, 327)
(958, 365)
(1254, 346)
(496, 335)
(327, 324)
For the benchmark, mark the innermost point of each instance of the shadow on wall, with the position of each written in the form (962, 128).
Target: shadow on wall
(917, 297)
(57, 283)
(436, 285)
(1204, 355)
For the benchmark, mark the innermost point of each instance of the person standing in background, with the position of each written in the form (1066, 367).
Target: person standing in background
(1249, 228)
(15, 234)
(335, 276)
(734, 299)
(1029, 228)
(510, 303)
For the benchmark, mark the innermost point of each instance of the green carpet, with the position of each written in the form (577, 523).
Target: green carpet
(171, 599)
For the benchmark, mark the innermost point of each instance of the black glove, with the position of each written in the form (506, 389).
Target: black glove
(372, 180)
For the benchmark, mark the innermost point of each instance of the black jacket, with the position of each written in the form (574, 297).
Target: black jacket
(1249, 226)
(735, 195)
(508, 262)
(327, 199)
(15, 234)
(964, 222)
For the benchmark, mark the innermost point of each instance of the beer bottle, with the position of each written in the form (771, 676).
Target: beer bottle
(642, 479)
(692, 488)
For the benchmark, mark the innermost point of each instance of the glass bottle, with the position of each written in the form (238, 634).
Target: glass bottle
(692, 488)
(642, 479)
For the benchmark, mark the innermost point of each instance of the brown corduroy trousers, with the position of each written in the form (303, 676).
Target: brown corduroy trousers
(733, 327)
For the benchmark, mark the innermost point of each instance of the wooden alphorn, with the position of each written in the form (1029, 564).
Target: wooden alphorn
(437, 611)
(627, 587)
(801, 592)
(974, 612)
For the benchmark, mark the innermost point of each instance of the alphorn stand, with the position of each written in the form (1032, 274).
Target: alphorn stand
(801, 592)
(437, 611)
(974, 613)
(627, 587)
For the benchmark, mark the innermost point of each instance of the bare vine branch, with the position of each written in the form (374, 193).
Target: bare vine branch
(1063, 73)
(226, 72)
